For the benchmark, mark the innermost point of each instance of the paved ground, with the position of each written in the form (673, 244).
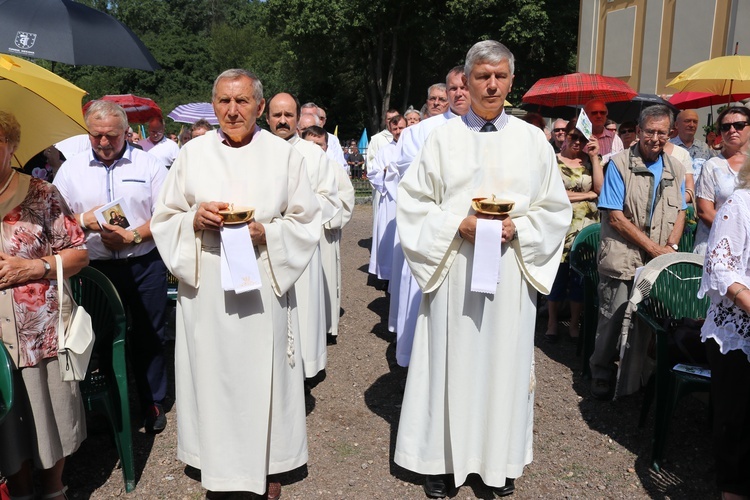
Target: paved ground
(582, 449)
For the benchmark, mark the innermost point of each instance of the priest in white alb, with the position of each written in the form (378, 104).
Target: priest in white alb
(469, 401)
(282, 114)
(238, 369)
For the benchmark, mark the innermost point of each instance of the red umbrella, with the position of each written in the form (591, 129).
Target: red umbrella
(138, 109)
(577, 89)
(692, 100)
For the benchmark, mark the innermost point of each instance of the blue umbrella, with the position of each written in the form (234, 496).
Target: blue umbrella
(363, 141)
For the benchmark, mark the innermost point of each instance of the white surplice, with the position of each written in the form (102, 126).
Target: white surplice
(469, 399)
(377, 141)
(381, 250)
(405, 293)
(330, 251)
(310, 287)
(238, 369)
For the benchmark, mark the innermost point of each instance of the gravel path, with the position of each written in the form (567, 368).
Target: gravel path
(583, 448)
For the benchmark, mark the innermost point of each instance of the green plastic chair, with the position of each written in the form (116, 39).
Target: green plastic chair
(105, 388)
(687, 240)
(583, 261)
(6, 383)
(673, 295)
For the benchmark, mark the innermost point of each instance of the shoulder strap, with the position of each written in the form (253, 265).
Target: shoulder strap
(60, 327)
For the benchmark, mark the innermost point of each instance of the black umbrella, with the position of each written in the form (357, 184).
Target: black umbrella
(618, 111)
(69, 32)
(631, 110)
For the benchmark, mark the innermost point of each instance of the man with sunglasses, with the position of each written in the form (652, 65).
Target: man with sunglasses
(609, 141)
(108, 170)
(642, 210)
(558, 134)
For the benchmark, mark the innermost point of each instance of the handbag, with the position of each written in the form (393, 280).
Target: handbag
(75, 341)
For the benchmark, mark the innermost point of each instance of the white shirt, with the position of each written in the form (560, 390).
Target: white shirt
(165, 150)
(74, 145)
(137, 177)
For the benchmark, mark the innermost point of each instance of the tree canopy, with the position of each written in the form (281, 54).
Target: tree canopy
(357, 58)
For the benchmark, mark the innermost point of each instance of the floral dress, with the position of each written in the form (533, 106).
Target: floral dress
(35, 223)
(585, 213)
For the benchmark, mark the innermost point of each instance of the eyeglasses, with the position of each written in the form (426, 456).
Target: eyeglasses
(597, 112)
(658, 133)
(626, 131)
(738, 126)
(558, 130)
(441, 99)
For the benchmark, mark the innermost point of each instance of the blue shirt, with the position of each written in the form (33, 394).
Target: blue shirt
(613, 189)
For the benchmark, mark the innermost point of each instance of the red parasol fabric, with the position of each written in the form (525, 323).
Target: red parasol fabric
(693, 100)
(577, 89)
(138, 109)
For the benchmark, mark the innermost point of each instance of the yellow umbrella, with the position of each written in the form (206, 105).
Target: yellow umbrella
(47, 107)
(725, 75)
(506, 104)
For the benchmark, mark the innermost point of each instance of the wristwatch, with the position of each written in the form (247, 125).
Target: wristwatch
(674, 246)
(136, 237)
(47, 267)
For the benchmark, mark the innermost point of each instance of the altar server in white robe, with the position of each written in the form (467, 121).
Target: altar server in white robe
(469, 398)
(282, 114)
(406, 295)
(239, 378)
(377, 141)
(330, 251)
(384, 181)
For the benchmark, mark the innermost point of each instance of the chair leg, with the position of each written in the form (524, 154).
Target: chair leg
(648, 398)
(665, 403)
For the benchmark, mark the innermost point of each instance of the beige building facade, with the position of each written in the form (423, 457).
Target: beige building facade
(647, 43)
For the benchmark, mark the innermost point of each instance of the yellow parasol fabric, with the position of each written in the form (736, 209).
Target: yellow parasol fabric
(724, 75)
(47, 106)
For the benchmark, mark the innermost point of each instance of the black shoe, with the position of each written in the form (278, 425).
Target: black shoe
(601, 389)
(156, 420)
(508, 489)
(435, 487)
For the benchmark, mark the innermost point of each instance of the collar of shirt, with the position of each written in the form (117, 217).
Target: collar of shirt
(475, 122)
(125, 157)
(606, 133)
(223, 138)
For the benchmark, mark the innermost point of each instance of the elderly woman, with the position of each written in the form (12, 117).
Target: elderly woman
(726, 332)
(412, 117)
(719, 174)
(582, 176)
(46, 423)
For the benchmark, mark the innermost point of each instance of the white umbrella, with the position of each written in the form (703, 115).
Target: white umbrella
(191, 113)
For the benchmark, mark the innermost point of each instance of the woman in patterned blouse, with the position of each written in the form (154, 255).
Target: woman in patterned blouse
(46, 422)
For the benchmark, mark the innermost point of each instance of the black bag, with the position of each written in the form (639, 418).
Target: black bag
(684, 341)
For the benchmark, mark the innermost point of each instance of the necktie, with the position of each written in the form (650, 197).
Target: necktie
(488, 127)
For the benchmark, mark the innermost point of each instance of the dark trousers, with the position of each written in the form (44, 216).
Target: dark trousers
(730, 396)
(142, 285)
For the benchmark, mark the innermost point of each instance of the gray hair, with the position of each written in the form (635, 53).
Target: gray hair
(440, 86)
(236, 73)
(309, 105)
(411, 110)
(656, 112)
(103, 109)
(202, 123)
(489, 51)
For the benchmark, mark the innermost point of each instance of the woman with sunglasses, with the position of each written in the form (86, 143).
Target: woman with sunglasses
(582, 176)
(719, 174)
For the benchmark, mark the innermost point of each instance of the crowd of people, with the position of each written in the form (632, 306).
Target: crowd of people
(474, 214)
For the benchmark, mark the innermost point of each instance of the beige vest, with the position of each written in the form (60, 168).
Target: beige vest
(618, 258)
